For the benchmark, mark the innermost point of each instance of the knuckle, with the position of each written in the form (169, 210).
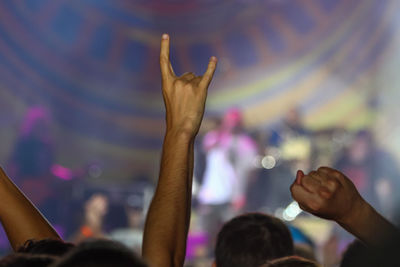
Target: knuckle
(325, 193)
(188, 74)
(179, 83)
(336, 174)
(163, 59)
(333, 183)
(315, 206)
(188, 86)
(324, 168)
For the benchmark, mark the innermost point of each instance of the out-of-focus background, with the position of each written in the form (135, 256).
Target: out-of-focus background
(303, 83)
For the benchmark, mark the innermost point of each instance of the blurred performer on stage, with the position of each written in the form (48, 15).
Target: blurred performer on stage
(287, 149)
(33, 165)
(33, 156)
(229, 156)
(373, 171)
(291, 128)
(95, 210)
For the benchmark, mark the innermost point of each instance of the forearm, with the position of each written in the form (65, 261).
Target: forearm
(169, 214)
(190, 183)
(369, 226)
(19, 217)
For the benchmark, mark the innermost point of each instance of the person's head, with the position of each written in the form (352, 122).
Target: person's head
(355, 255)
(26, 260)
(358, 254)
(251, 240)
(52, 247)
(305, 251)
(232, 120)
(96, 207)
(293, 117)
(291, 261)
(36, 123)
(135, 216)
(100, 253)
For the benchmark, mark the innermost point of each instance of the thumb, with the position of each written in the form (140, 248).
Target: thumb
(299, 176)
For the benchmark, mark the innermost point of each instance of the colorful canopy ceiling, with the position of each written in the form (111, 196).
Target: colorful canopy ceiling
(94, 63)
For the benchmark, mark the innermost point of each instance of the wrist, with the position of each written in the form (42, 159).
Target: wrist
(358, 213)
(180, 134)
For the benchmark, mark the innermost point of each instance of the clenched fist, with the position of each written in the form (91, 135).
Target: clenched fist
(184, 96)
(329, 194)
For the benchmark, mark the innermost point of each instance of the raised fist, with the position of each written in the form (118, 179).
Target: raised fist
(327, 193)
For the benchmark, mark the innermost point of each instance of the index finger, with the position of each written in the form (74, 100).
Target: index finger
(165, 63)
(208, 75)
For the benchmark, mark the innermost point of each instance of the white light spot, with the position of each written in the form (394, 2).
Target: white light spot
(291, 212)
(268, 162)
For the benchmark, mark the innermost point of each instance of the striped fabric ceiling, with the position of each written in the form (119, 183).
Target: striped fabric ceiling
(94, 64)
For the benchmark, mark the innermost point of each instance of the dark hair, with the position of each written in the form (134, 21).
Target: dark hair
(252, 239)
(385, 254)
(291, 261)
(355, 255)
(100, 253)
(53, 247)
(305, 251)
(26, 260)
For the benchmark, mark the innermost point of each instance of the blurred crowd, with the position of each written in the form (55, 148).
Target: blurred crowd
(236, 170)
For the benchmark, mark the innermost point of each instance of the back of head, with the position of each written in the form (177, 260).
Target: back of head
(251, 240)
(100, 253)
(26, 260)
(290, 261)
(356, 254)
(305, 251)
(53, 247)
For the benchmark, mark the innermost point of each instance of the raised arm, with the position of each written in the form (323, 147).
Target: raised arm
(329, 194)
(167, 224)
(19, 217)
